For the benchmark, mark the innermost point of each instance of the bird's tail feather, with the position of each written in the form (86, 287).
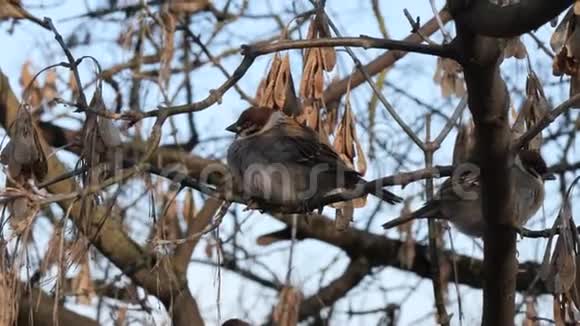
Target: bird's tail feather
(428, 211)
(388, 196)
(380, 193)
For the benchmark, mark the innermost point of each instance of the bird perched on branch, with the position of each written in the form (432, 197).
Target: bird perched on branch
(278, 162)
(459, 199)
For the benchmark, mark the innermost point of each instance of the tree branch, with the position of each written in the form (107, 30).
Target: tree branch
(337, 89)
(356, 270)
(363, 41)
(37, 308)
(105, 232)
(486, 18)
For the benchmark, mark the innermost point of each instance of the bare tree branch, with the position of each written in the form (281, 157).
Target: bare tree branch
(519, 17)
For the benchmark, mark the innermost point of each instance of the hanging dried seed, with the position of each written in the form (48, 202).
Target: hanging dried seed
(169, 25)
(265, 96)
(22, 212)
(23, 154)
(558, 269)
(447, 75)
(287, 309)
(187, 6)
(406, 253)
(49, 90)
(82, 283)
(514, 48)
(282, 82)
(33, 93)
(11, 9)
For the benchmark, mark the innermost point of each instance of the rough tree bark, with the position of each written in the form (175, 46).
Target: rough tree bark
(489, 105)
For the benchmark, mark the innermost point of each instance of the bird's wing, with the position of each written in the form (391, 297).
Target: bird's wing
(463, 187)
(300, 144)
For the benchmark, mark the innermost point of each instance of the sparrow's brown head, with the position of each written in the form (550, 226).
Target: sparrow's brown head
(251, 121)
(535, 164)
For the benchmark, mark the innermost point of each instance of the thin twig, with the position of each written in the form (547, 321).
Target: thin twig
(435, 238)
(451, 122)
(416, 27)
(378, 92)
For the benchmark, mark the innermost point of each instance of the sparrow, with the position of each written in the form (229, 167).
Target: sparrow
(459, 198)
(278, 162)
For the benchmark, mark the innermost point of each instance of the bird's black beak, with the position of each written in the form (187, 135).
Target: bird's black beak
(233, 128)
(548, 176)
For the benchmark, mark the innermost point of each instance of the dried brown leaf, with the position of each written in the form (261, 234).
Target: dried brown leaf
(188, 211)
(562, 32)
(287, 309)
(310, 115)
(361, 161)
(22, 215)
(558, 269)
(125, 38)
(531, 312)
(447, 76)
(188, 6)
(407, 252)
(559, 311)
(266, 94)
(573, 43)
(344, 140)
(169, 26)
(11, 9)
(33, 93)
(53, 250)
(26, 75)
(328, 58)
(312, 33)
(209, 249)
(23, 154)
(121, 319)
(72, 84)
(318, 84)
(49, 90)
(260, 92)
(8, 295)
(514, 48)
(328, 54)
(281, 83)
(82, 283)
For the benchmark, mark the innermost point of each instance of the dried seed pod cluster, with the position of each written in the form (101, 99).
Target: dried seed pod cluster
(34, 94)
(286, 311)
(169, 24)
(101, 139)
(514, 48)
(559, 269)
(448, 77)
(23, 154)
(187, 6)
(407, 252)
(565, 41)
(316, 62)
(533, 109)
(277, 91)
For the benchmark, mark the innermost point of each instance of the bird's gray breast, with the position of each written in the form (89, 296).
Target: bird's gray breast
(263, 169)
